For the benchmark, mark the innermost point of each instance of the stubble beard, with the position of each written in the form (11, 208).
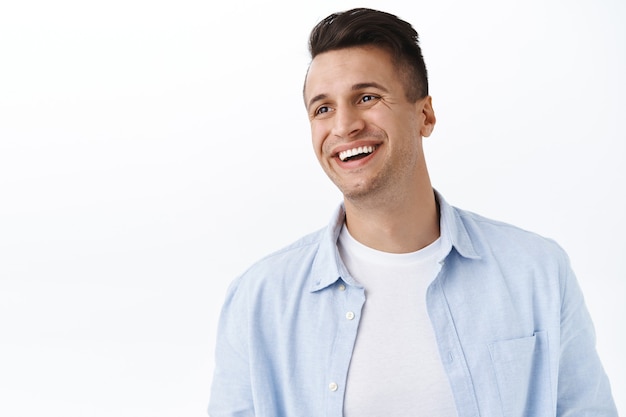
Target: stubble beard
(372, 192)
(386, 188)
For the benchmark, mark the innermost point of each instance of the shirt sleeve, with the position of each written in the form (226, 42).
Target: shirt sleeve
(231, 392)
(583, 386)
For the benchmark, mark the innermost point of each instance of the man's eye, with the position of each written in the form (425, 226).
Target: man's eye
(321, 110)
(367, 98)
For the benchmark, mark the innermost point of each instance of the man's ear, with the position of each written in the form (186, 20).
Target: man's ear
(428, 115)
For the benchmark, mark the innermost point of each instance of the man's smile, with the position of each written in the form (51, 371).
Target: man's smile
(356, 153)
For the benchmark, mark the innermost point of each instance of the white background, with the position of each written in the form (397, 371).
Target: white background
(151, 150)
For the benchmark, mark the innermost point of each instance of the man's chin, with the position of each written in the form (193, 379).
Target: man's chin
(360, 193)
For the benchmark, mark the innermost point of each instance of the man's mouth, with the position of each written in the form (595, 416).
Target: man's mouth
(356, 153)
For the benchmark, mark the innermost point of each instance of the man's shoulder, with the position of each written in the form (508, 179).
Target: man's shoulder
(476, 221)
(285, 264)
(305, 244)
(503, 237)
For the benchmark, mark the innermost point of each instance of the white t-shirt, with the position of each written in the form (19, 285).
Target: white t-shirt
(396, 368)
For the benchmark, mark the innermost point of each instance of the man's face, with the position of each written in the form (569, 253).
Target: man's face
(366, 135)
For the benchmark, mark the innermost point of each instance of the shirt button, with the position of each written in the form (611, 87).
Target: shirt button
(333, 386)
(349, 315)
(342, 287)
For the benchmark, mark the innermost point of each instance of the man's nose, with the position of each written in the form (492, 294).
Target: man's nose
(348, 122)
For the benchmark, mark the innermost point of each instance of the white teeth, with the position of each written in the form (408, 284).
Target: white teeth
(355, 151)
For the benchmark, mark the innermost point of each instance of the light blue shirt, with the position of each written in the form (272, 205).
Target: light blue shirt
(514, 335)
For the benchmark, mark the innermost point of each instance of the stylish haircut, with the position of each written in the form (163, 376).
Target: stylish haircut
(367, 27)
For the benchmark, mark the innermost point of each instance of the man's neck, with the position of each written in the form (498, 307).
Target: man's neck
(401, 225)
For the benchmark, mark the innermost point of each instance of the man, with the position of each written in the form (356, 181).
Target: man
(403, 305)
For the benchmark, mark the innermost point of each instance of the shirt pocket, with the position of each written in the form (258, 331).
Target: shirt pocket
(522, 370)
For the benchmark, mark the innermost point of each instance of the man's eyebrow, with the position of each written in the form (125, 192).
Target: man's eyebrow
(363, 86)
(316, 98)
(355, 87)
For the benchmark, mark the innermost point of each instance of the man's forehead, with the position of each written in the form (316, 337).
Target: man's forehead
(348, 69)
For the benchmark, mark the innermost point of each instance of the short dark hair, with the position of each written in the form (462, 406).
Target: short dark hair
(363, 27)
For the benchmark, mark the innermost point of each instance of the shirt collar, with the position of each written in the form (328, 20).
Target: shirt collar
(328, 267)
(454, 233)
